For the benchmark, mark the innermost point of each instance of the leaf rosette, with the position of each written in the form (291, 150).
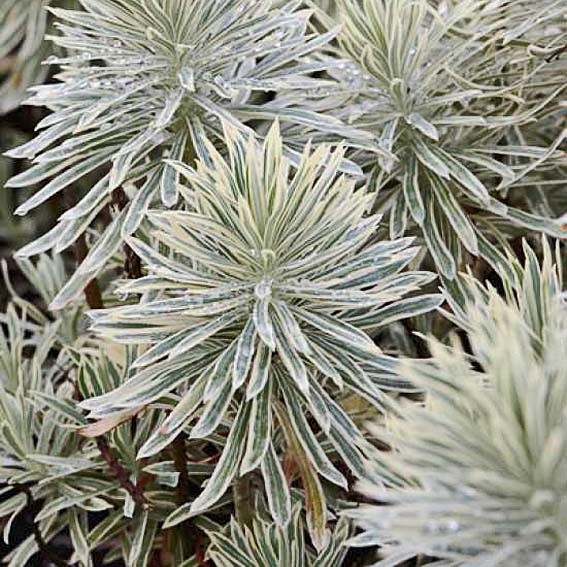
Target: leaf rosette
(259, 302)
(477, 473)
(144, 81)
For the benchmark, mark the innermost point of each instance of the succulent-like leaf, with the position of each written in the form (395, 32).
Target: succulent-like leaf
(420, 78)
(132, 94)
(267, 288)
(270, 544)
(481, 466)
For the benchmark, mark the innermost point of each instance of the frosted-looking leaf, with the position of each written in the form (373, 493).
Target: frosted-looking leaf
(481, 462)
(144, 101)
(264, 290)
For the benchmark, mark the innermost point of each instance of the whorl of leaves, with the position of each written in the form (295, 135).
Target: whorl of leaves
(51, 473)
(225, 165)
(146, 80)
(41, 457)
(449, 88)
(270, 544)
(259, 301)
(482, 466)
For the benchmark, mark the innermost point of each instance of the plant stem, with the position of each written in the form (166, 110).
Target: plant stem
(44, 548)
(243, 499)
(94, 300)
(132, 263)
(136, 491)
(180, 460)
(93, 294)
(183, 491)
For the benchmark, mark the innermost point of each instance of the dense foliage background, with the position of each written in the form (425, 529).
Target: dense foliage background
(282, 283)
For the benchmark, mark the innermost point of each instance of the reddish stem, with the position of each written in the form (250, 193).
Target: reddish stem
(136, 491)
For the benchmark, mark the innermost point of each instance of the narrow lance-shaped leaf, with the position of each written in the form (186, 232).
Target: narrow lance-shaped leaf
(277, 490)
(228, 463)
(315, 499)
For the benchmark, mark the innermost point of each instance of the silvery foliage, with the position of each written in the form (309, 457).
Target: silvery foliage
(41, 457)
(531, 289)
(45, 276)
(257, 306)
(32, 449)
(270, 544)
(23, 25)
(267, 283)
(453, 90)
(144, 81)
(47, 454)
(480, 470)
(130, 531)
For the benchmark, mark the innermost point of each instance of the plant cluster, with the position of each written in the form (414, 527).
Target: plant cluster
(478, 472)
(288, 295)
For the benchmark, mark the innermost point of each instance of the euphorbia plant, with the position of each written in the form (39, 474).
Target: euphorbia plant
(262, 209)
